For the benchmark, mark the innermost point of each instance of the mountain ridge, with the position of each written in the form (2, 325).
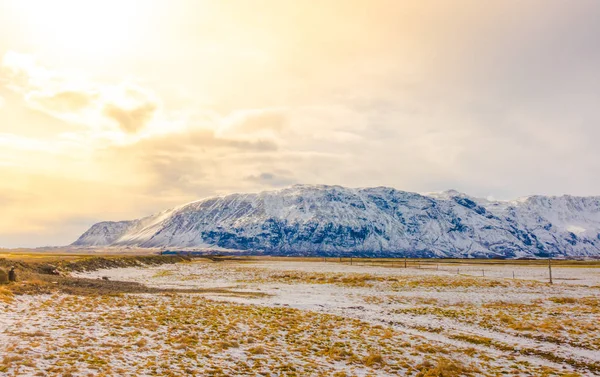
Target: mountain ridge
(377, 221)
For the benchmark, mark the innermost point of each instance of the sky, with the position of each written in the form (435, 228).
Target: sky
(116, 109)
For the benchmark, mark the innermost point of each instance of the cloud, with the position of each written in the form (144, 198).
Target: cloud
(184, 165)
(202, 139)
(255, 121)
(131, 120)
(62, 102)
(117, 111)
(21, 70)
(271, 180)
(123, 106)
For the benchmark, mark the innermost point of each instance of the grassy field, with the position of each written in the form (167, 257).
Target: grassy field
(52, 255)
(223, 316)
(22, 256)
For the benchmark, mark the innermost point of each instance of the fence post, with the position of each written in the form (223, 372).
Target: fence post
(550, 268)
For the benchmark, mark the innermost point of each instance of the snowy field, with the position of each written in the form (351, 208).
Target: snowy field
(314, 318)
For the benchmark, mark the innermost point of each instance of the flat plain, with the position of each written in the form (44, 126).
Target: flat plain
(311, 317)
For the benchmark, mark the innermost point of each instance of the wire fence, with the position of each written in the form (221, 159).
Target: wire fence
(520, 270)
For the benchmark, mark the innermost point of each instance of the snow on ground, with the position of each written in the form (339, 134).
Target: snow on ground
(380, 302)
(318, 318)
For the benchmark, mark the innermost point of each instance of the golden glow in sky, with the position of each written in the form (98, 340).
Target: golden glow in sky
(98, 29)
(115, 109)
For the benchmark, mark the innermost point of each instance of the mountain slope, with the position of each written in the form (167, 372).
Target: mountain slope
(333, 220)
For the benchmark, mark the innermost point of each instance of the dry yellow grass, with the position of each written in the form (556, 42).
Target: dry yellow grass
(443, 367)
(182, 334)
(113, 332)
(6, 295)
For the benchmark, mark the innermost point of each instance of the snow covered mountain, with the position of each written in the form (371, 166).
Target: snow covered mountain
(380, 221)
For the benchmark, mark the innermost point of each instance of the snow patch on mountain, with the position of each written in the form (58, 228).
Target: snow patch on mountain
(379, 221)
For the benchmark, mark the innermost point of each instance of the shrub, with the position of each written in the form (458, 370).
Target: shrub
(444, 368)
(3, 277)
(373, 359)
(257, 350)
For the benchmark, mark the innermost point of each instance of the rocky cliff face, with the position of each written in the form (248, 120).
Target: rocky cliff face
(333, 220)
